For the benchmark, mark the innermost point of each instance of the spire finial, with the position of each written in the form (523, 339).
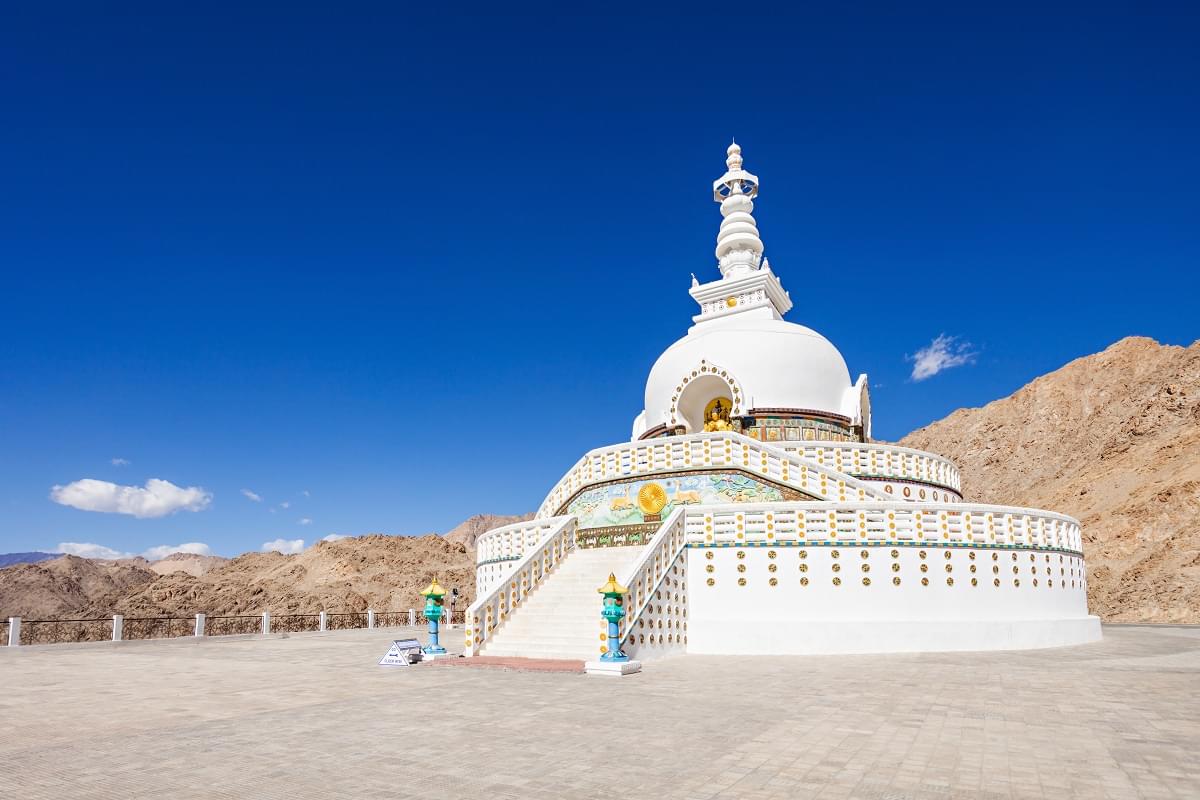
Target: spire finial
(739, 250)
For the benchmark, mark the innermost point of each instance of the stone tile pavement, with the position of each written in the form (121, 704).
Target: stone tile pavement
(312, 716)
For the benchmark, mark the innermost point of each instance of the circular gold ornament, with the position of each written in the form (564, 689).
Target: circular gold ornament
(652, 498)
(731, 301)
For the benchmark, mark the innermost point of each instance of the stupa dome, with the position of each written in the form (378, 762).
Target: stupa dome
(757, 362)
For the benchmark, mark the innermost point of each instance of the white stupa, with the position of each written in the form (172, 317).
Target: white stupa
(752, 514)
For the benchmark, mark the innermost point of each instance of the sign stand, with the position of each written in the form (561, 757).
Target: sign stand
(402, 653)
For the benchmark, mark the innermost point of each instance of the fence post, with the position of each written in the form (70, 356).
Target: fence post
(412, 618)
(266, 623)
(14, 631)
(324, 621)
(370, 618)
(118, 627)
(200, 624)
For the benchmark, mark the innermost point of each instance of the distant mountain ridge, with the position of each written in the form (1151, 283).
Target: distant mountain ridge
(372, 571)
(8, 559)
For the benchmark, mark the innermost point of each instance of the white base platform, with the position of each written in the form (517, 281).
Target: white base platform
(753, 638)
(616, 668)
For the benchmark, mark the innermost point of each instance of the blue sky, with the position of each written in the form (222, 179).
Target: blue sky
(393, 267)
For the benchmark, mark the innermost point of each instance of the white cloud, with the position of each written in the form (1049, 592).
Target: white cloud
(251, 495)
(335, 537)
(90, 550)
(941, 354)
(164, 550)
(305, 493)
(120, 462)
(285, 546)
(285, 504)
(157, 499)
(306, 521)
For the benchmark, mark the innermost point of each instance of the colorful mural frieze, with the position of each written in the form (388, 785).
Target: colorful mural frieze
(647, 501)
(796, 429)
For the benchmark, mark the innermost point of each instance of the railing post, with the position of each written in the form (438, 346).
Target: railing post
(200, 624)
(370, 618)
(266, 626)
(118, 627)
(412, 618)
(14, 631)
(324, 621)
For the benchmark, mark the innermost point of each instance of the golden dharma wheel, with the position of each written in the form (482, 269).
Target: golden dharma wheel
(652, 498)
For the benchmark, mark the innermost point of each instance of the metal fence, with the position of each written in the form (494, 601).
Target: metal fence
(345, 622)
(295, 623)
(232, 625)
(154, 628)
(99, 629)
(56, 631)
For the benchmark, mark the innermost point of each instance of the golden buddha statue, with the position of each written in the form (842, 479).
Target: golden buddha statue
(718, 419)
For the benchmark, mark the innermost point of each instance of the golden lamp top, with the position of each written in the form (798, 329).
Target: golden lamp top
(612, 587)
(434, 589)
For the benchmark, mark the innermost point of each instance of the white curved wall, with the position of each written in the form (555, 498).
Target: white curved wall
(778, 364)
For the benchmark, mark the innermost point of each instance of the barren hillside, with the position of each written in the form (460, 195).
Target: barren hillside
(1112, 439)
(375, 571)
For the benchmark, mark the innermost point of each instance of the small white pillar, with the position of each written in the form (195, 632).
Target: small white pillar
(200, 624)
(118, 627)
(412, 618)
(370, 618)
(14, 631)
(324, 622)
(266, 628)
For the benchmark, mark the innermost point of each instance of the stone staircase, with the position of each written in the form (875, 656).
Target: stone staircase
(561, 618)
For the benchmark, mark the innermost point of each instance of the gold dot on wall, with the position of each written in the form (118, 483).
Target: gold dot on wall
(837, 581)
(804, 581)
(773, 581)
(896, 581)
(804, 567)
(711, 582)
(924, 581)
(741, 581)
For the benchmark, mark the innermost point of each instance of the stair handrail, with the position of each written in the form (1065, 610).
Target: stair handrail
(644, 577)
(488, 611)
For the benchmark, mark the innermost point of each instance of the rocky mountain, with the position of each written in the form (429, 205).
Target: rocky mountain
(468, 531)
(1112, 439)
(63, 586)
(190, 563)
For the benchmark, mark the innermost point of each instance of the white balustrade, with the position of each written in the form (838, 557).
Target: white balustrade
(706, 451)
(658, 571)
(864, 460)
(850, 523)
(498, 550)
(490, 609)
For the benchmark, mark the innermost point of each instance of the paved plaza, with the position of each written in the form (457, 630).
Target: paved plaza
(312, 716)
